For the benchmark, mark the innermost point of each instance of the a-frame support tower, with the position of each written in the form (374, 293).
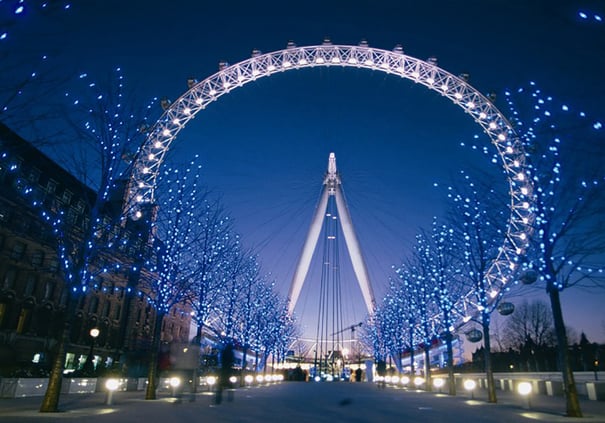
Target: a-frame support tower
(331, 187)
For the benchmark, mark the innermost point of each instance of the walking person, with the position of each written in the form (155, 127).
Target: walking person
(227, 360)
(381, 369)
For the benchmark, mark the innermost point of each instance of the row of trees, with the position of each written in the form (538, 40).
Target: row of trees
(442, 286)
(526, 341)
(198, 260)
(181, 251)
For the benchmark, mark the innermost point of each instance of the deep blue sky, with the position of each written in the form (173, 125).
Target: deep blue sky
(265, 146)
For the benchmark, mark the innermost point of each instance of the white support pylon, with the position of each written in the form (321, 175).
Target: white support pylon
(331, 186)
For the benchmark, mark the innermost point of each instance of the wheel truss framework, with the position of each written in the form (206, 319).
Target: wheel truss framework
(456, 88)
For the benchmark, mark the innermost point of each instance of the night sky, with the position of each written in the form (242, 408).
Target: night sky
(265, 146)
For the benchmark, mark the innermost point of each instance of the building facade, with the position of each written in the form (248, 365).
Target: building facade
(33, 293)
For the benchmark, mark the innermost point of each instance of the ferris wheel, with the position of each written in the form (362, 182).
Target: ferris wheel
(427, 73)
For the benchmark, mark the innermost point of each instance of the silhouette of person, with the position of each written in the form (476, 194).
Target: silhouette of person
(227, 360)
(358, 375)
(381, 369)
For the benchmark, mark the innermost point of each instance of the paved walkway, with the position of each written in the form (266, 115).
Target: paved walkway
(302, 402)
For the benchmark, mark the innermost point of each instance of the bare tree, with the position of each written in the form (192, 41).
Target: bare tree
(215, 244)
(238, 264)
(172, 266)
(530, 329)
(530, 321)
(390, 330)
(565, 154)
(29, 75)
(418, 278)
(439, 250)
(479, 222)
(85, 242)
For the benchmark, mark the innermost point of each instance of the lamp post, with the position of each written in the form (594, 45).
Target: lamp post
(89, 363)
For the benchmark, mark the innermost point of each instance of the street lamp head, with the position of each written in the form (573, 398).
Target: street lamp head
(94, 332)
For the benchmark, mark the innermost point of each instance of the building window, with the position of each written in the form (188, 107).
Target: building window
(51, 186)
(64, 296)
(4, 214)
(33, 175)
(80, 206)
(49, 290)
(24, 225)
(106, 306)
(30, 286)
(53, 266)
(94, 305)
(37, 258)
(72, 216)
(23, 322)
(17, 251)
(9, 279)
(117, 310)
(66, 197)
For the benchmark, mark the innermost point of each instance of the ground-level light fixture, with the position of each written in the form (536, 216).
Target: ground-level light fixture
(174, 382)
(438, 383)
(524, 389)
(111, 385)
(470, 385)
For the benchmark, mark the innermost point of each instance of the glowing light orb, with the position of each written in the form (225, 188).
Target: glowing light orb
(438, 382)
(470, 384)
(524, 388)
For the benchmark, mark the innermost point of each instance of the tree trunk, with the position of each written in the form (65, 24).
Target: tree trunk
(50, 402)
(244, 358)
(450, 364)
(489, 370)
(412, 370)
(569, 385)
(244, 365)
(152, 372)
(197, 341)
(427, 368)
